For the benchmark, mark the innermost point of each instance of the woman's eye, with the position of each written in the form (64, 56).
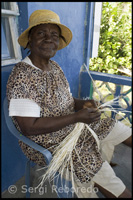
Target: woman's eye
(41, 33)
(55, 35)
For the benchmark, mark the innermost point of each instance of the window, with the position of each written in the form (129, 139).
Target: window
(11, 52)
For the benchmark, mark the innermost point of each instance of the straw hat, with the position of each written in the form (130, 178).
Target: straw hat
(46, 17)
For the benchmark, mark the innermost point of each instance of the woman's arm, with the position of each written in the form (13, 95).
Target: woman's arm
(44, 125)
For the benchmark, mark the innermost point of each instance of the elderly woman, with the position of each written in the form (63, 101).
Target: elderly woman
(43, 109)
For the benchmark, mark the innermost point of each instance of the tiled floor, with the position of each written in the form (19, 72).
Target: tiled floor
(123, 170)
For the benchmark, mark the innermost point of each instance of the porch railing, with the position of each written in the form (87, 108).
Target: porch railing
(110, 86)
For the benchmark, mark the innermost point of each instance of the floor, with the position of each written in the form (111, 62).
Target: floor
(123, 170)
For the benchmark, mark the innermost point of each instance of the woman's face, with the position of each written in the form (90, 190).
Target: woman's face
(44, 40)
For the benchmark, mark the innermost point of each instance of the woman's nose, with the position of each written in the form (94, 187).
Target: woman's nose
(47, 36)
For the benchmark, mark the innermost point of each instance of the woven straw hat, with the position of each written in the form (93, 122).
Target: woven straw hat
(46, 17)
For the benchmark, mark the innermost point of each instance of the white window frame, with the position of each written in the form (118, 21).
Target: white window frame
(96, 32)
(12, 16)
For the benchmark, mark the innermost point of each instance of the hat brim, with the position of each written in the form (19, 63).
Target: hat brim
(65, 32)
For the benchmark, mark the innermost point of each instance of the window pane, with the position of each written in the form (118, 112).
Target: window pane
(5, 5)
(7, 46)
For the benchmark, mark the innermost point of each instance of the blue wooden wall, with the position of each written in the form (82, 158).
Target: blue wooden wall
(70, 59)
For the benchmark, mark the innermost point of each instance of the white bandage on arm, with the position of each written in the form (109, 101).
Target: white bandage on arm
(24, 108)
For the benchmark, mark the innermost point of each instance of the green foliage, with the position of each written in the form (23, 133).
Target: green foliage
(115, 39)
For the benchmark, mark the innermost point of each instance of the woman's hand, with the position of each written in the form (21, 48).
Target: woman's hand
(80, 104)
(88, 115)
(90, 104)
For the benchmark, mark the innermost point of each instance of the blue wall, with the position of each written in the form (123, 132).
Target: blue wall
(72, 14)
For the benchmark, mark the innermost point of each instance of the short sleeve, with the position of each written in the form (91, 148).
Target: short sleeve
(24, 91)
(24, 108)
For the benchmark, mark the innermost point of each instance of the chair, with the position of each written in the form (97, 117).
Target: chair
(47, 156)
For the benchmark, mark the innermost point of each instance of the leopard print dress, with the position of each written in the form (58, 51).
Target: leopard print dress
(50, 90)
